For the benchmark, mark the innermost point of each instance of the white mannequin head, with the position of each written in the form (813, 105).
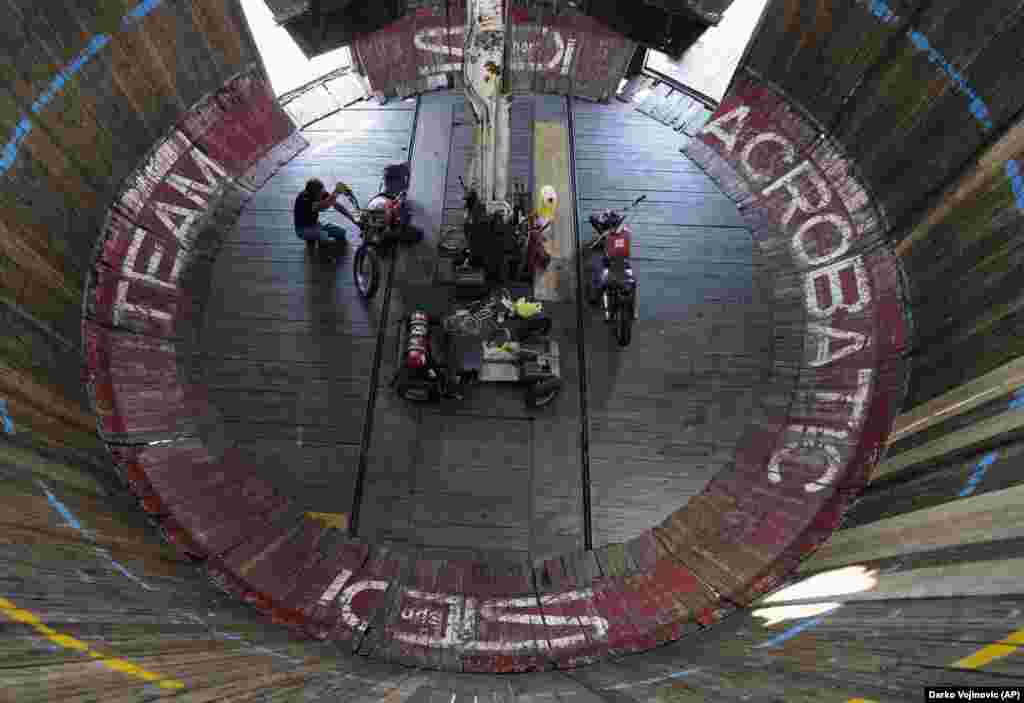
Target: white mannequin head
(548, 202)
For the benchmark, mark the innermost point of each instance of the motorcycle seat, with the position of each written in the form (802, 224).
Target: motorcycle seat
(617, 271)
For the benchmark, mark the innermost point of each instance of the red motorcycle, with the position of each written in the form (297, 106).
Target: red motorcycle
(384, 222)
(613, 283)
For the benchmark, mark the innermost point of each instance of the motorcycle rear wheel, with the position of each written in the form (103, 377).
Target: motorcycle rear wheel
(543, 392)
(417, 391)
(624, 322)
(366, 270)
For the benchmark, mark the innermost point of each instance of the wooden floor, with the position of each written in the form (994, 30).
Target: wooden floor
(288, 345)
(665, 412)
(288, 349)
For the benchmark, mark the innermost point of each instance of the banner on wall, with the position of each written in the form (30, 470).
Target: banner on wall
(429, 42)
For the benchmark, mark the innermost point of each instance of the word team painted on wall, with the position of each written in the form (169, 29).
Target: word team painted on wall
(175, 219)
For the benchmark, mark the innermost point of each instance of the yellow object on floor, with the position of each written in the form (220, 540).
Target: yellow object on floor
(335, 520)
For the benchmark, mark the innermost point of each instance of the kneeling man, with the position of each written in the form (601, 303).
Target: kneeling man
(310, 202)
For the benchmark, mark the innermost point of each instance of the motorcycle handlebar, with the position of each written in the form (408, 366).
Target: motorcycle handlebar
(352, 199)
(634, 203)
(597, 222)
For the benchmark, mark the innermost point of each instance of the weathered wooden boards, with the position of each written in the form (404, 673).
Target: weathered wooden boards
(918, 97)
(152, 270)
(287, 354)
(152, 617)
(405, 605)
(884, 651)
(84, 93)
(283, 547)
(565, 53)
(921, 99)
(391, 600)
(838, 320)
(675, 109)
(962, 443)
(335, 91)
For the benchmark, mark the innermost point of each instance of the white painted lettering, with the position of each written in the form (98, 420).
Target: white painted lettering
(815, 432)
(128, 265)
(489, 611)
(493, 611)
(856, 400)
(459, 625)
(788, 155)
(166, 213)
(559, 51)
(728, 137)
(599, 624)
(835, 288)
(570, 50)
(189, 188)
(427, 40)
(823, 335)
(213, 172)
(196, 191)
(149, 176)
(335, 587)
(121, 306)
(841, 225)
(349, 616)
(797, 198)
(793, 450)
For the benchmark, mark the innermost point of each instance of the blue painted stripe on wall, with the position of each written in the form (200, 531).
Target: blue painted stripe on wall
(7, 422)
(96, 43)
(791, 632)
(65, 513)
(1017, 401)
(976, 106)
(978, 474)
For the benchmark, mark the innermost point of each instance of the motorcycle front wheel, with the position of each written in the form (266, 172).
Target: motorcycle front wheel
(366, 270)
(624, 322)
(543, 392)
